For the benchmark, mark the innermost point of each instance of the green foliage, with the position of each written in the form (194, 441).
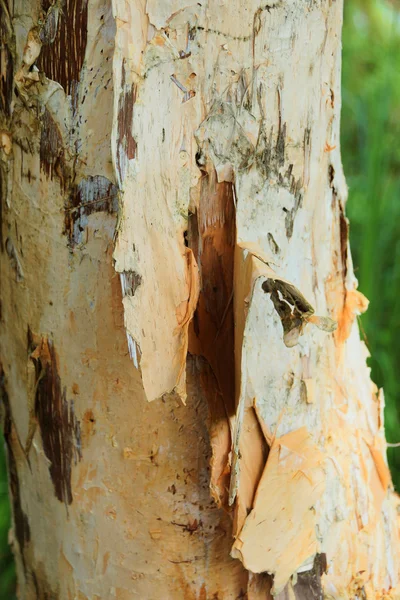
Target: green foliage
(371, 157)
(7, 569)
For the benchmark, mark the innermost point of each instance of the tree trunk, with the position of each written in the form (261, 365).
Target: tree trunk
(179, 421)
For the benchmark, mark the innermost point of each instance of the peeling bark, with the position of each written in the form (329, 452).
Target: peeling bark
(173, 230)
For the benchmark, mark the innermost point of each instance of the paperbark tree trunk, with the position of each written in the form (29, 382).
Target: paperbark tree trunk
(179, 422)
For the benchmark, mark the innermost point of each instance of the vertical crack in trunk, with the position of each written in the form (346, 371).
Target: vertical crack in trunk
(212, 237)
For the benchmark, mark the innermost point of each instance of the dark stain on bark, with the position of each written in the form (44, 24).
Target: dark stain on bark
(280, 145)
(60, 431)
(62, 60)
(343, 222)
(264, 151)
(131, 281)
(7, 43)
(126, 144)
(41, 586)
(309, 586)
(272, 243)
(307, 139)
(52, 153)
(270, 158)
(344, 236)
(91, 195)
(21, 524)
(295, 187)
(3, 194)
(331, 177)
(6, 67)
(125, 116)
(290, 216)
(46, 5)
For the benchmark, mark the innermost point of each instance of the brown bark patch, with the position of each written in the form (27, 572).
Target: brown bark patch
(59, 428)
(52, 153)
(21, 524)
(92, 195)
(62, 60)
(126, 144)
(6, 67)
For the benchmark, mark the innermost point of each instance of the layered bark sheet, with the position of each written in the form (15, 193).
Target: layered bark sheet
(172, 205)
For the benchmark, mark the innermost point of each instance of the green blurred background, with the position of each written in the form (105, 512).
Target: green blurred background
(371, 157)
(370, 135)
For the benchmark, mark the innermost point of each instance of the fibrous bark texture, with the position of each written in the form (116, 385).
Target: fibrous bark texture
(173, 230)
